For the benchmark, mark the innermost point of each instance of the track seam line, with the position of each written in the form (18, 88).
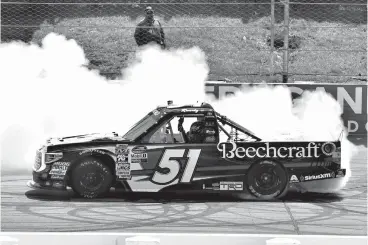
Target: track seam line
(296, 228)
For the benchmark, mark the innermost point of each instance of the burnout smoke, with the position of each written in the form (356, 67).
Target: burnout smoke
(47, 91)
(269, 112)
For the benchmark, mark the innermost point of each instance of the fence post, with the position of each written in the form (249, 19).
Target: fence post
(286, 42)
(272, 36)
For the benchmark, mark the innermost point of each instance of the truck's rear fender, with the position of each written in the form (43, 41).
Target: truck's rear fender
(326, 166)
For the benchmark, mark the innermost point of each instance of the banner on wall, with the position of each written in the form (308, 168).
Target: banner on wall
(352, 98)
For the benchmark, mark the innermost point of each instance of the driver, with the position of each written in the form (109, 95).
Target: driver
(196, 132)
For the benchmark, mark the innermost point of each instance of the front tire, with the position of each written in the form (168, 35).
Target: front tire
(91, 178)
(267, 180)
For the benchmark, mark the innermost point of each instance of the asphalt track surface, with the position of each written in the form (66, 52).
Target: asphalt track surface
(344, 213)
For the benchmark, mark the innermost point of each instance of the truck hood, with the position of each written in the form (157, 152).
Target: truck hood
(95, 137)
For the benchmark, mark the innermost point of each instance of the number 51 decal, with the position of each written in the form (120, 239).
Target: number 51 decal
(170, 161)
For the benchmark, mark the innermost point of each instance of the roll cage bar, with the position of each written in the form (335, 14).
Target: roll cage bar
(225, 120)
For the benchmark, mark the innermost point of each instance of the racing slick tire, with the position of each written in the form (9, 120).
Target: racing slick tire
(91, 178)
(267, 180)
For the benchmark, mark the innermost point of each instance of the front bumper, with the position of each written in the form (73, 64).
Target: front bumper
(46, 186)
(38, 182)
(38, 186)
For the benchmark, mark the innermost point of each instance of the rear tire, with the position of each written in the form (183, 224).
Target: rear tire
(267, 180)
(91, 178)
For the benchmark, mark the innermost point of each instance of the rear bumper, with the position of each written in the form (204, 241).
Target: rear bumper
(320, 183)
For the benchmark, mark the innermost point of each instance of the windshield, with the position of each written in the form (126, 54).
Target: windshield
(143, 125)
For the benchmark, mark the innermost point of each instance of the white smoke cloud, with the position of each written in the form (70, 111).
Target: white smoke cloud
(270, 113)
(47, 91)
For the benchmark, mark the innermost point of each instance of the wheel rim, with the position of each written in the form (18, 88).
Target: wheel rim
(267, 180)
(92, 181)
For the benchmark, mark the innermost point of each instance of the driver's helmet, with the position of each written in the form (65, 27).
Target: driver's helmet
(196, 132)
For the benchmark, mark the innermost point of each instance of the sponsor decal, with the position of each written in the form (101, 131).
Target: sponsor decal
(57, 177)
(123, 171)
(59, 168)
(231, 186)
(340, 173)
(294, 179)
(209, 131)
(122, 166)
(139, 149)
(328, 148)
(139, 158)
(139, 154)
(90, 151)
(121, 149)
(190, 110)
(213, 187)
(317, 177)
(268, 152)
(122, 158)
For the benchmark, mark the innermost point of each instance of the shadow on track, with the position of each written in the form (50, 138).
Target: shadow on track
(143, 197)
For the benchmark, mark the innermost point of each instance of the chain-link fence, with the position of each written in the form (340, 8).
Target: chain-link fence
(326, 39)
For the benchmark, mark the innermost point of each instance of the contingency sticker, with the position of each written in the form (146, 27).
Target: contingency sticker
(122, 162)
(58, 170)
(139, 154)
(231, 186)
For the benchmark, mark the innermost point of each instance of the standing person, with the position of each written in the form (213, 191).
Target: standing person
(149, 30)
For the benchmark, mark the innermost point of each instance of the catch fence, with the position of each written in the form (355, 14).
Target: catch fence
(315, 40)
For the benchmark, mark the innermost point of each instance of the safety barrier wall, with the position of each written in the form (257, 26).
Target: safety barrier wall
(174, 239)
(352, 98)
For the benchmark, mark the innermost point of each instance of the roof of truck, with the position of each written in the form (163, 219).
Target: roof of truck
(171, 105)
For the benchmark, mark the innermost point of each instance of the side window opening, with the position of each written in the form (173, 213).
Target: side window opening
(182, 129)
(229, 133)
(169, 132)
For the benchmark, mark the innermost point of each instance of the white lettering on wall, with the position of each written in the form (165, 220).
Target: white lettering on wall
(354, 128)
(343, 95)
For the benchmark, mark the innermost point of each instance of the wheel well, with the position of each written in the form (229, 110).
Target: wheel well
(271, 160)
(106, 159)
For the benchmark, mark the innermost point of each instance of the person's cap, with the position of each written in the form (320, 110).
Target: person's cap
(148, 10)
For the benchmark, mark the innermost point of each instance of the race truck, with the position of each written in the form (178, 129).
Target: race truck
(184, 148)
